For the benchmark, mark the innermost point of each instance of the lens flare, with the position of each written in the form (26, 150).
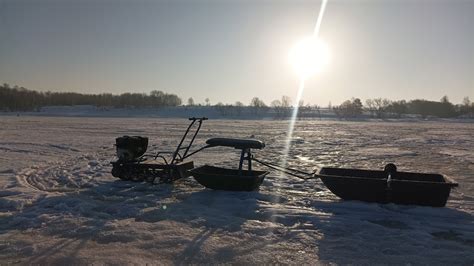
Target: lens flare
(309, 56)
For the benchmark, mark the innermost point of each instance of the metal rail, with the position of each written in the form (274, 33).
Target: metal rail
(287, 170)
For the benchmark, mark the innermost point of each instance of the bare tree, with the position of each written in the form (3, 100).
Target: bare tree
(277, 107)
(381, 106)
(444, 99)
(190, 101)
(317, 108)
(466, 101)
(370, 107)
(285, 101)
(349, 108)
(257, 105)
(256, 102)
(465, 107)
(276, 104)
(238, 107)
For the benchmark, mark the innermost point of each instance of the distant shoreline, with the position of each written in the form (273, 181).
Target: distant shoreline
(246, 113)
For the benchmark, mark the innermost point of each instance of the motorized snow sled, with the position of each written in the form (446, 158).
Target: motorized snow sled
(135, 165)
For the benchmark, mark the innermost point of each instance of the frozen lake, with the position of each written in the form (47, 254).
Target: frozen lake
(59, 203)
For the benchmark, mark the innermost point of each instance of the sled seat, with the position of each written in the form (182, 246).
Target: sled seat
(236, 143)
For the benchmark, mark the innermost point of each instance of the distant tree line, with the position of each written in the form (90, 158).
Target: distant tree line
(384, 108)
(349, 108)
(278, 109)
(21, 99)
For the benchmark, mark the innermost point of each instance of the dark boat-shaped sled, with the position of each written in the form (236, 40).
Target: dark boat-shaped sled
(388, 186)
(228, 179)
(219, 178)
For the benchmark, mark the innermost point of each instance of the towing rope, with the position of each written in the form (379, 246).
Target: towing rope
(287, 170)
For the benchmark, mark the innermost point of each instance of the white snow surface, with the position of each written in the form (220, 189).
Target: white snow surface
(59, 203)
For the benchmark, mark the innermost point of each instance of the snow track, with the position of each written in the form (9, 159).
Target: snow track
(63, 176)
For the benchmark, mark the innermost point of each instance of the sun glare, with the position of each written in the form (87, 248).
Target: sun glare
(309, 56)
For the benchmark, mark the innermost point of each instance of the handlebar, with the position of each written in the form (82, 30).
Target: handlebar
(198, 118)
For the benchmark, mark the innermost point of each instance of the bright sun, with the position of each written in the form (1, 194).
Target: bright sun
(309, 56)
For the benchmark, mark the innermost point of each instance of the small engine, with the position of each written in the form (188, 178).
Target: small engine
(134, 165)
(130, 148)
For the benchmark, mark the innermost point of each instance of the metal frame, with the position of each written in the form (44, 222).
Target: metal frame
(179, 148)
(176, 155)
(245, 154)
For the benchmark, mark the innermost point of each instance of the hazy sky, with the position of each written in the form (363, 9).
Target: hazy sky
(234, 50)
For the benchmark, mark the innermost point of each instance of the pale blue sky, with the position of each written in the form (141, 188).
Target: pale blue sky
(234, 50)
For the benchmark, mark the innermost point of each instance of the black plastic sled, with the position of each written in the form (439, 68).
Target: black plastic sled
(388, 186)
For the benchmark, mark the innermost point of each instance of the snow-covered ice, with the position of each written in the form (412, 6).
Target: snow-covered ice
(59, 203)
